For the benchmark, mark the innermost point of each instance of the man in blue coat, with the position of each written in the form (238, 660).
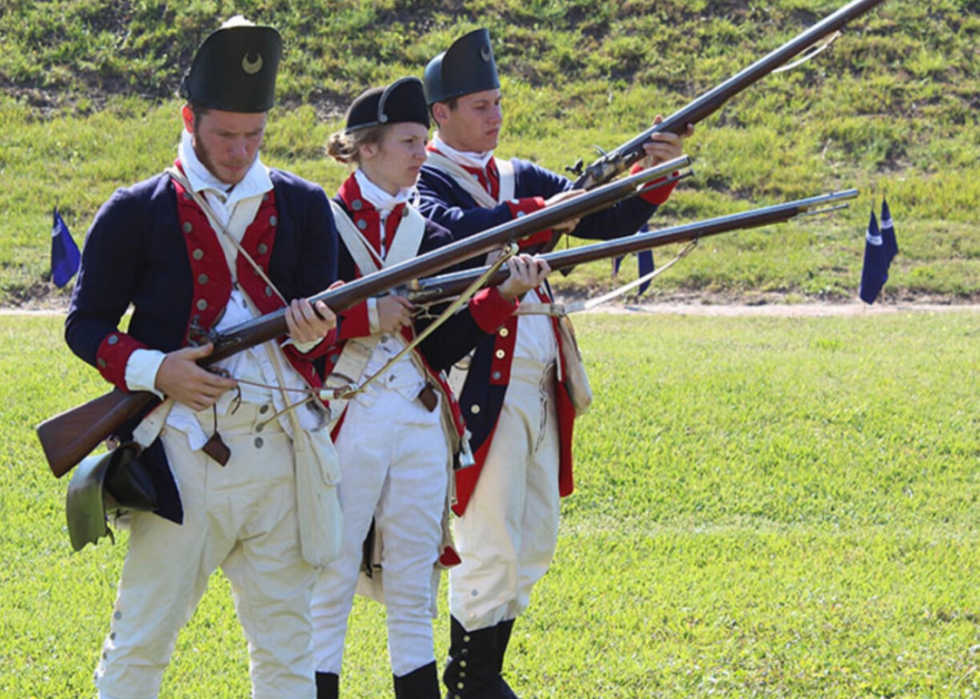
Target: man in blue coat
(215, 241)
(513, 400)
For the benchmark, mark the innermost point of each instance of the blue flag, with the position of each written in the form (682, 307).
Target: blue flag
(644, 262)
(888, 230)
(65, 257)
(880, 248)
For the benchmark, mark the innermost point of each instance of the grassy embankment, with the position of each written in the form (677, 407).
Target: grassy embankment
(88, 107)
(765, 508)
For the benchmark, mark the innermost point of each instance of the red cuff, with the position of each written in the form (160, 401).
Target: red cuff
(656, 196)
(523, 207)
(490, 310)
(113, 355)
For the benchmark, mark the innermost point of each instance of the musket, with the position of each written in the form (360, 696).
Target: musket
(433, 289)
(610, 164)
(70, 436)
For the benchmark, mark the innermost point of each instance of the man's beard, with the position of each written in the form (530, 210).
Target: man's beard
(202, 155)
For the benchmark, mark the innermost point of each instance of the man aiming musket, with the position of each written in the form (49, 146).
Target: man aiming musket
(517, 410)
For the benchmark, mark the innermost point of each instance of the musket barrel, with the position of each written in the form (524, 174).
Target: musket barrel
(614, 162)
(447, 285)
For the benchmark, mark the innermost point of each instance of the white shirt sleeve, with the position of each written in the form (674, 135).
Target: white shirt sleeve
(141, 371)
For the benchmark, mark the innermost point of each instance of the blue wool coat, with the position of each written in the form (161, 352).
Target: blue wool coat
(136, 252)
(481, 400)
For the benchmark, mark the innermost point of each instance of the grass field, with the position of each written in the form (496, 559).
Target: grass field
(765, 507)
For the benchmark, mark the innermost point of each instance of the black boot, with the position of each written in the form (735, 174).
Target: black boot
(472, 671)
(504, 629)
(421, 683)
(327, 685)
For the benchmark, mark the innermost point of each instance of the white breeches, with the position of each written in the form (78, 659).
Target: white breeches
(240, 517)
(393, 461)
(508, 534)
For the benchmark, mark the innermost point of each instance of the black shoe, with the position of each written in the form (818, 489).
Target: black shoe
(327, 685)
(422, 683)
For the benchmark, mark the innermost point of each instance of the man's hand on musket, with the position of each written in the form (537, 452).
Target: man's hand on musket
(307, 325)
(526, 272)
(181, 378)
(665, 146)
(394, 313)
(569, 225)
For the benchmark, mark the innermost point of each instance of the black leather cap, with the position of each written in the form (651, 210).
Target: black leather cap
(402, 101)
(234, 70)
(465, 67)
(106, 483)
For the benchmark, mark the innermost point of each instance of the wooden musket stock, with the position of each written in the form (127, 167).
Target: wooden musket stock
(445, 286)
(69, 437)
(611, 164)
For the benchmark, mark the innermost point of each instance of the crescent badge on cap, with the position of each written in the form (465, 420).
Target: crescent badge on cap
(252, 67)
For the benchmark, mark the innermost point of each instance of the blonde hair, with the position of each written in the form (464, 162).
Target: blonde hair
(345, 146)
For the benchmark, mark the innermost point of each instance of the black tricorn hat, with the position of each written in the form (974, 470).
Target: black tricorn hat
(234, 70)
(465, 67)
(402, 101)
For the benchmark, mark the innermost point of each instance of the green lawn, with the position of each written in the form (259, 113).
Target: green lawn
(765, 507)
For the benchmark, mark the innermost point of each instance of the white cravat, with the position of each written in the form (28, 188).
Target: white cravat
(382, 201)
(477, 160)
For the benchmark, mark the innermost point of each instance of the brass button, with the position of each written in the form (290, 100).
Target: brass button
(263, 248)
(357, 205)
(362, 224)
(475, 409)
(188, 227)
(504, 332)
(202, 279)
(496, 375)
(113, 339)
(102, 364)
(268, 291)
(521, 214)
(500, 354)
(197, 254)
(273, 220)
(202, 305)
